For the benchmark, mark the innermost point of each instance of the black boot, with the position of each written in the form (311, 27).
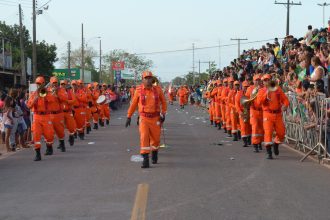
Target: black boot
(75, 135)
(107, 121)
(235, 137)
(249, 141)
(154, 157)
(71, 140)
(145, 163)
(229, 133)
(219, 126)
(101, 122)
(225, 130)
(269, 153)
(276, 151)
(38, 155)
(245, 142)
(82, 136)
(49, 150)
(256, 148)
(96, 126)
(215, 124)
(239, 136)
(211, 122)
(87, 130)
(62, 146)
(260, 146)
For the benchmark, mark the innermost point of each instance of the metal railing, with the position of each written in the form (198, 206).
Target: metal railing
(306, 122)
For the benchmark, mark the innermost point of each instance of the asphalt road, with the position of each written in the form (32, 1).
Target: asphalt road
(195, 178)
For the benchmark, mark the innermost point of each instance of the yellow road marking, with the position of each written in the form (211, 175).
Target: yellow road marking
(140, 204)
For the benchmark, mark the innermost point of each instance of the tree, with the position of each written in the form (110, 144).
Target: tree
(46, 57)
(132, 61)
(212, 69)
(178, 81)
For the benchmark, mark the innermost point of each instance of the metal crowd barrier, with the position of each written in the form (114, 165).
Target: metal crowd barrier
(306, 122)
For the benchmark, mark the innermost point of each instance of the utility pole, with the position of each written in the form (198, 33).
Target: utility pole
(239, 44)
(100, 75)
(82, 53)
(193, 45)
(3, 53)
(23, 72)
(199, 70)
(34, 44)
(323, 5)
(287, 4)
(69, 58)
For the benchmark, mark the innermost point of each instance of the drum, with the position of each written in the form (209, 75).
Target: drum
(101, 100)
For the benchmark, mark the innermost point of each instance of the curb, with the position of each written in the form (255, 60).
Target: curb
(310, 157)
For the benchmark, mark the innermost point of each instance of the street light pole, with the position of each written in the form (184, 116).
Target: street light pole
(82, 53)
(34, 44)
(323, 5)
(100, 69)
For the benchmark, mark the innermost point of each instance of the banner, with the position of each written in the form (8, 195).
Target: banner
(29, 66)
(128, 74)
(120, 65)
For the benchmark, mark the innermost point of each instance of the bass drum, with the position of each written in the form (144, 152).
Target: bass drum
(101, 100)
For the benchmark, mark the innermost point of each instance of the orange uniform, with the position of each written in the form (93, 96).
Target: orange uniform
(182, 93)
(95, 109)
(56, 113)
(207, 95)
(223, 97)
(233, 112)
(245, 126)
(256, 119)
(272, 103)
(216, 105)
(151, 103)
(80, 110)
(67, 106)
(89, 107)
(42, 124)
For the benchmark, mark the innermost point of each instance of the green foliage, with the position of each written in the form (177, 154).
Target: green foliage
(46, 53)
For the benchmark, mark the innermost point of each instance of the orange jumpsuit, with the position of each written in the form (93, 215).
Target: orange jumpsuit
(105, 107)
(80, 110)
(256, 119)
(233, 112)
(56, 112)
(245, 126)
(224, 94)
(151, 103)
(95, 107)
(41, 123)
(216, 106)
(208, 96)
(229, 106)
(89, 107)
(182, 94)
(272, 103)
(67, 106)
(218, 111)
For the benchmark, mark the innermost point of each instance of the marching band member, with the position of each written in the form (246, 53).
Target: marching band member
(233, 112)
(152, 107)
(89, 107)
(56, 112)
(244, 115)
(39, 102)
(220, 87)
(273, 102)
(95, 108)
(67, 106)
(79, 107)
(256, 119)
(105, 109)
(227, 106)
(224, 94)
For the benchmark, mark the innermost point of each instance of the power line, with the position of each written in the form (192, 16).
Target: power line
(199, 48)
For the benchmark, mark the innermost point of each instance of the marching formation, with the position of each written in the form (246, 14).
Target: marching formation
(249, 110)
(66, 105)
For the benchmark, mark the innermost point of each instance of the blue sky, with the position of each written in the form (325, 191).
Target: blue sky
(155, 25)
